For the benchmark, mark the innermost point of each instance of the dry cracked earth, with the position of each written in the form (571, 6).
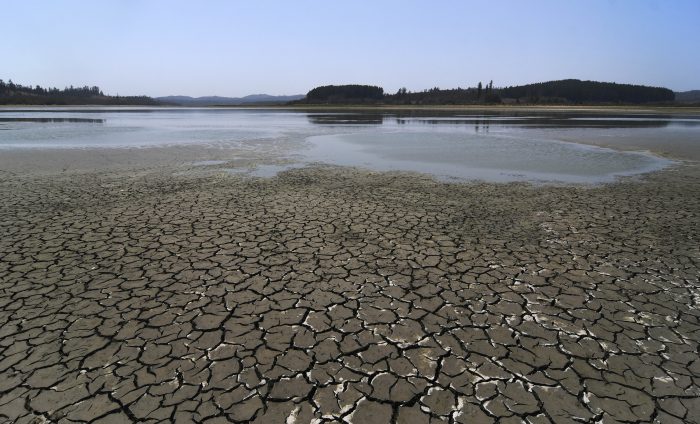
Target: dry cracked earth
(333, 295)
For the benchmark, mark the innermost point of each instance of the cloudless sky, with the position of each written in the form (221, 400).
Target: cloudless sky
(234, 48)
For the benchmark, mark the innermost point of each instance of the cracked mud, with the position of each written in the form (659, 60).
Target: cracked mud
(334, 295)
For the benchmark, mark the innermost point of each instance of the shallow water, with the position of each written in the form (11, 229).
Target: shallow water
(501, 158)
(487, 146)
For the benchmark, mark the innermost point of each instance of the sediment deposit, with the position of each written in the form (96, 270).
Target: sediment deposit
(337, 295)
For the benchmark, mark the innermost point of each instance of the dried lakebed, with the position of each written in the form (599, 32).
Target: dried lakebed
(335, 295)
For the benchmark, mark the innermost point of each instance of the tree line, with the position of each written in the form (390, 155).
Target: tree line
(570, 91)
(351, 93)
(12, 93)
(482, 93)
(577, 91)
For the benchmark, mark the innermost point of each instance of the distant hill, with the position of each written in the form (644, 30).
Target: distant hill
(577, 91)
(343, 94)
(692, 96)
(569, 91)
(252, 99)
(18, 94)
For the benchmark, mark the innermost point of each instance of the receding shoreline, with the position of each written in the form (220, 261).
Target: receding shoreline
(678, 148)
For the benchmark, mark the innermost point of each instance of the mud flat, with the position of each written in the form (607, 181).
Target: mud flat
(331, 294)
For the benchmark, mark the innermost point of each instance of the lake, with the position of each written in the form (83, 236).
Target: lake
(523, 145)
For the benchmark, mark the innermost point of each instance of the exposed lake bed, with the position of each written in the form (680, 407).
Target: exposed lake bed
(253, 279)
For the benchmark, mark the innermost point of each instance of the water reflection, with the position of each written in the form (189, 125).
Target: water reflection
(53, 120)
(346, 119)
(494, 145)
(481, 122)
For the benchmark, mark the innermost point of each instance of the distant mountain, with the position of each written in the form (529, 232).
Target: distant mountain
(692, 96)
(253, 99)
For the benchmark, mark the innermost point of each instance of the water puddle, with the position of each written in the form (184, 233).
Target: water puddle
(209, 162)
(469, 156)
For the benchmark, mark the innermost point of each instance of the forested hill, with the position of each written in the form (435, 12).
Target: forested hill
(577, 91)
(570, 91)
(692, 96)
(344, 94)
(17, 94)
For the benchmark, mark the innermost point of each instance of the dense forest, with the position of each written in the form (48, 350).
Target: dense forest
(577, 91)
(570, 91)
(17, 94)
(484, 94)
(352, 93)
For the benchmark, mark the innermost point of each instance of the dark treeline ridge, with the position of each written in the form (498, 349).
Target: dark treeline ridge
(352, 93)
(17, 94)
(570, 91)
(481, 94)
(578, 91)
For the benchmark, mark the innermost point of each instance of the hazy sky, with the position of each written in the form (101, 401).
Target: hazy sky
(234, 48)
